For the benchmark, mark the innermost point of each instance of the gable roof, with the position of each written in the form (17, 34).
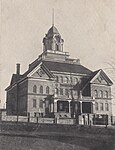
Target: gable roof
(15, 78)
(86, 81)
(66, 67)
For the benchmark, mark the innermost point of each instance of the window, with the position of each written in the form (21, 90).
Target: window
(34, 103)
(96, 93)
(35, 89)
(76, 80)
(41, 89)
(67, 92)
(101, 106)
(71, 79)
(96, 106)
(106, 94)
(101, 94)
(57, 47)
(61, 79)
(35, 114)
(106, 106)
(47, 90)
(56, 91)
(57, 79)
(41, 103)
(61, 91)
(66, 80)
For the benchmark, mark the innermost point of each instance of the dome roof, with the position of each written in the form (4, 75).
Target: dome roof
(53, 30)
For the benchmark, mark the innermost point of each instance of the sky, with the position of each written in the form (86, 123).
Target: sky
(87, 27)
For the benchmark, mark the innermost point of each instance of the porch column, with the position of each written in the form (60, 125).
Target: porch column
(69, 107)
(55, 105)
(81, 106)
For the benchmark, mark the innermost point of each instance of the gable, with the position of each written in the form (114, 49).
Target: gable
(101, 78)
(40, 72)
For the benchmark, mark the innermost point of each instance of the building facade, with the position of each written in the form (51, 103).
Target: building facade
(56, 85)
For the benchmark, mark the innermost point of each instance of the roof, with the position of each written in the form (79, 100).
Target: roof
(15, 78)
(86, 81)
(66, 67)
(53, 30)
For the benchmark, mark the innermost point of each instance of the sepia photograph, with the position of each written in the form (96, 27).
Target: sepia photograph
(57, 75)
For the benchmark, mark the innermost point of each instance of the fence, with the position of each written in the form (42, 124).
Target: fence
(37, 119)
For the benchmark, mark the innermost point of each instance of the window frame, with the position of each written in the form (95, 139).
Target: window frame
(34, 89)
(34, 103)
(41, 89)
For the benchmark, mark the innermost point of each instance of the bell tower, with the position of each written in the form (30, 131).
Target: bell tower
(53, 45)
(52, 40)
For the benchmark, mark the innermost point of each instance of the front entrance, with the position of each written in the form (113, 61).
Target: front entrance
(63, 106)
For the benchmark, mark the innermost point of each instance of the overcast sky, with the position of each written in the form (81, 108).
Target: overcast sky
(87, 27)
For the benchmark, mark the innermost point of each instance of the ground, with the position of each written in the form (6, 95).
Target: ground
(55, 137)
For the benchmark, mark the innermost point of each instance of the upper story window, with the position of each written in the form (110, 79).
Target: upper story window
(106, 94)
(61, 79)
(96, 93)
(66, 80)
(57, 79)
(47, 90)
(34, 103)
(35, 89)
(41, 103)
(71, 80)
(76, 80)
(106, 106)
(56, 91)
(101, 94)
(57, 47)
(96, 106)
(101, 106)
(41, 89)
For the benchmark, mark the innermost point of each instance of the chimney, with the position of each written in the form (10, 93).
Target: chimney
(18, 69)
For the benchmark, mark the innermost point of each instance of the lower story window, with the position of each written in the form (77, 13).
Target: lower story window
(61, 91)
(34, 103)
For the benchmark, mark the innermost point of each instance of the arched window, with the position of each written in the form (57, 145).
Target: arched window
(76, 80)
(96, 106)
(71, 80)
(57, 47)
(101, 106)
(96, 93)
(101, 94)
(47, 90)
(35, 89)
(41, 89)
(106, 94)
(57, 79)
(106, 106)
(41, 103)
(61, 79)
(66, 80)
(56, 91)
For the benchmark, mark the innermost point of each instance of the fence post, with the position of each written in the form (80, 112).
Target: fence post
(106, 120)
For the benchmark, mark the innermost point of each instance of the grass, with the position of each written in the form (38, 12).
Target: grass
(55, 137)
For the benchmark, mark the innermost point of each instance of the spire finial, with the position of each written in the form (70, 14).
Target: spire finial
(53, 17)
